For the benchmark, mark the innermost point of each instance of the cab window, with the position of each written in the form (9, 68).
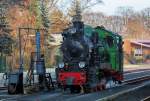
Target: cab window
(110, 41)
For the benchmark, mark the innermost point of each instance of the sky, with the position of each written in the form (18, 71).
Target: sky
(109, 7)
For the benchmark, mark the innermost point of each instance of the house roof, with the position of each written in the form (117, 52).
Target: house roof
(144, 41)
(140, 44)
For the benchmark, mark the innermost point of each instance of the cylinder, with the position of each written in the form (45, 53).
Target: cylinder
(40, 68)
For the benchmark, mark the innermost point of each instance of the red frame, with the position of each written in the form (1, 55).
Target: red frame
(117, 75)
(79, 77)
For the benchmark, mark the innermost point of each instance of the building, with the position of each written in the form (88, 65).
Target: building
(136, 51)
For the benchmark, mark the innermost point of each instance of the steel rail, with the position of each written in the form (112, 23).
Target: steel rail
(135, 72)
(146, 99)
(3, 88)
(136, 80)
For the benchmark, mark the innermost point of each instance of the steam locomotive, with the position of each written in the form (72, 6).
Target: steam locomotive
(91, 58)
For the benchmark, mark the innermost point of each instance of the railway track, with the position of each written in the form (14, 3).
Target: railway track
(137, 80)
(87, 97)
(3, 88)
(68, 97)
(146, 99)
(135, 72)
(128, 82)
(125, 82)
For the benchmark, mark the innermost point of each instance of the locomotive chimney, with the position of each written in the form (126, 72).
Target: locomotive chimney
(76, 20)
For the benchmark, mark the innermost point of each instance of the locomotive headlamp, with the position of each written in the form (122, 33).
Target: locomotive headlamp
(61, 65)
(72, 30)
(81, 64)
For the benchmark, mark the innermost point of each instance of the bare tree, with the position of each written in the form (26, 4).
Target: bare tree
(85, 4)
(50, 4)
(113, 23)
(82, 6)
(126, 12)
(146, 17)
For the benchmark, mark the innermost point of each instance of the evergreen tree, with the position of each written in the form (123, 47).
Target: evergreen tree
(75, 10)
(6, 40)
(34, 9)
(5, 37)
(44, 15)
(78, 7)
